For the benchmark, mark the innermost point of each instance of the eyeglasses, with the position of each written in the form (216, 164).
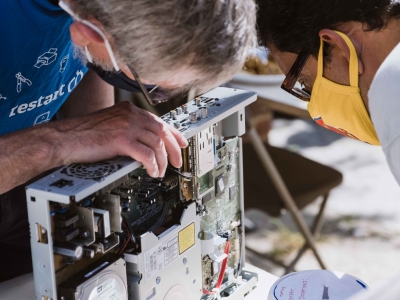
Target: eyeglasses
(290, 81)
(154, 96)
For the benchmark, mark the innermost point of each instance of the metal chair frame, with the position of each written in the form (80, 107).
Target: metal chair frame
(309, 234)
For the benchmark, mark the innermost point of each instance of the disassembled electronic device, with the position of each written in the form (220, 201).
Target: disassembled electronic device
(107, 230)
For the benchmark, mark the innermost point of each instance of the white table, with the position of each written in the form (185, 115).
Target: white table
(277, 99)
(22, 288)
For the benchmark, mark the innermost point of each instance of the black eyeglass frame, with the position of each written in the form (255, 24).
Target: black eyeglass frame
(290, 81)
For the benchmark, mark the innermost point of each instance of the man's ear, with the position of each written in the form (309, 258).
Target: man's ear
(331, 37)
(82, 35)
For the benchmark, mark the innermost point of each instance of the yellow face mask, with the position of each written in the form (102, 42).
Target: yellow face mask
(340, 108)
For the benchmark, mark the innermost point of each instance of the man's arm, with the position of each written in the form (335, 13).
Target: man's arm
(122, 129)
(92, 94)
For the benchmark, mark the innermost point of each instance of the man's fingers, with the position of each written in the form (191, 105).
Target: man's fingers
(162, 130)
(180, 139)
(157, 145)
(145, 155)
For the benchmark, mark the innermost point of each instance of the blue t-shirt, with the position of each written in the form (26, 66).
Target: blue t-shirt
(38, 70)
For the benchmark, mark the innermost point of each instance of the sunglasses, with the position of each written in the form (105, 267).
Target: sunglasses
(292, 77)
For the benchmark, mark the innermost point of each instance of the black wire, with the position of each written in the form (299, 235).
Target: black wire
(179, 173)
(161, 219)
(131, 233)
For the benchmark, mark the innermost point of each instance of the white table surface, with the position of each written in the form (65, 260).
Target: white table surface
(278, 98)
(22, 288)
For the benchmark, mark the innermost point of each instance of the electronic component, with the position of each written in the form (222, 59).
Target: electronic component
(193, 117)
(69, 250)
(65, 220)
(220, 185)
(232, 192)
(101, 222)
(107, 229)
(203, 112)
(104, 279)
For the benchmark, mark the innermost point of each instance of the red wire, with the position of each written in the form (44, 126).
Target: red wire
(223, 270)
(224, 263)
(127, 239)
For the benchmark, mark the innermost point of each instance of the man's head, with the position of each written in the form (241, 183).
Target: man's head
(287, 27)
(171, 43)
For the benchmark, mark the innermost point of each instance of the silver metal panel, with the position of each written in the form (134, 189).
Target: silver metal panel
(111, 172)
(235, 124)
(230, 101)
(42, 254)
(186, 267)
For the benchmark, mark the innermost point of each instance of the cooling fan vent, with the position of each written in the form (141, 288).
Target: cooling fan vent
(96, 171)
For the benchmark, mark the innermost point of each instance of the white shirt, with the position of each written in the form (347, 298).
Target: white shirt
(384, 105)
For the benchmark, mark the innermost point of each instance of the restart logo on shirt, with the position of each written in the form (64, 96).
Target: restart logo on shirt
(38, 70)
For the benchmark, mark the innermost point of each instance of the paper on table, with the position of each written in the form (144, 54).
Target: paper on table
(316, 285)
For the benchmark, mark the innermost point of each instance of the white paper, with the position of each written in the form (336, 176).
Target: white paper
(316, 285)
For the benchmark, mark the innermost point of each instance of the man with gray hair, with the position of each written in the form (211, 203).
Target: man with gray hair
(173, 45)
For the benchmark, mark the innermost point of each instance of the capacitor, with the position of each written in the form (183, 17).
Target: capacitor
(177, 124)
(86, 202)
(193, 117)
(173, 114)
(184, 108)
(62, 210)
(89, 253)
(179, 110)
(125, 190)
(203, 112)
(69, 250)
(197, 101)
(126, 200)
(146, 191)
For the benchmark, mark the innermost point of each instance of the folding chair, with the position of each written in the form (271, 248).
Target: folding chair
(276, 179)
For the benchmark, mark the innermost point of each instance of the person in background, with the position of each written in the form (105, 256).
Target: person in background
(343, 58)
(67, 56)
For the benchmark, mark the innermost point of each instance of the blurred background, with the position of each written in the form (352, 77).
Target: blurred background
(360, 224)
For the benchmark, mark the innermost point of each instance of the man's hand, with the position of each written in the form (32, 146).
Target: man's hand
(122, 129)
(125, 130)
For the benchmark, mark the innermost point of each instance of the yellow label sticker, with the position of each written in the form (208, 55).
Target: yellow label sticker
(186, 238)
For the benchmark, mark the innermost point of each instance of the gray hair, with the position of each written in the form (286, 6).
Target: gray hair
(158, 37)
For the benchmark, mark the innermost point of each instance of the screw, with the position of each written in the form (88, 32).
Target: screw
(158, 279)
(184, 260)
